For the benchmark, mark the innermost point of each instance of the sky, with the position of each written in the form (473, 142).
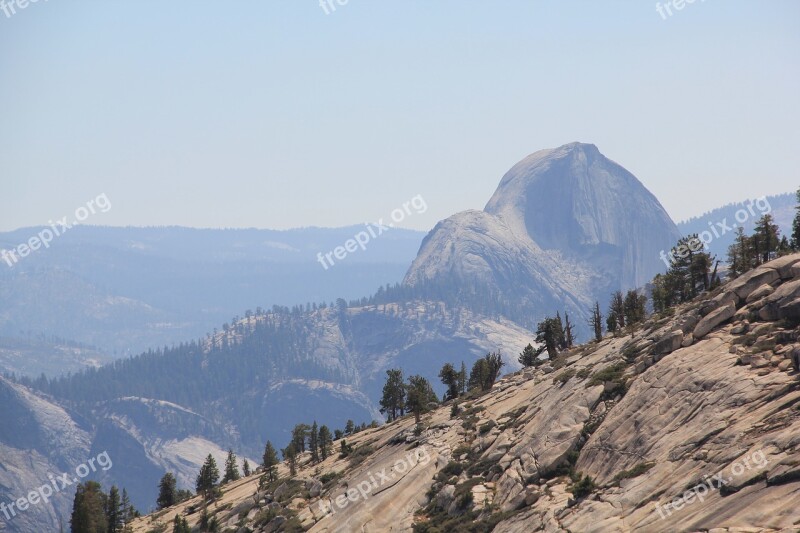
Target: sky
(276, 114)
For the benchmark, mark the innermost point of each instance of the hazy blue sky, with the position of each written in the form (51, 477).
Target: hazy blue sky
(273, 114)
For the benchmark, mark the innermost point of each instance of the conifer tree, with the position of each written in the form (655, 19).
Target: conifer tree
(740, 258)
(349, 427)
(290, 456)
(449, 377)
(128, 511)
(180, 525)
(617, 309)
(528, 356)
(569, 339)
(768, 238)
(462, 378)
(166, 491)
(299, 436)
(393, 399)
(89, 509)
(231, 468)
(596, 322)
(270, 462)
(419, 394)
(207, 478)
(313, 442)
(114, 514)
(325, 442)
(634, 307)
(795, 242)
(246, 468)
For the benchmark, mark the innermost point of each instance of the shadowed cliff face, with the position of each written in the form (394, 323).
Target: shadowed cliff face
(575, 200)
(565, 227)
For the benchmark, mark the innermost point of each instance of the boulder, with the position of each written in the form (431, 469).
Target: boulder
(785, 295)
(714, 319)
(669, 343)
(762, 291)
(785, 265)
(718, 301)
(532, 495)
(750, 281)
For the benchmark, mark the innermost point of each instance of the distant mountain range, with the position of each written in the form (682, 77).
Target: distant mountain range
(124, 290)
(720, 224)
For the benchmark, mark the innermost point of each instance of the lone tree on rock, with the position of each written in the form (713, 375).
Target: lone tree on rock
(167, 491)
(208, 477)
(231, 468)
(419, 395)
(393, 399)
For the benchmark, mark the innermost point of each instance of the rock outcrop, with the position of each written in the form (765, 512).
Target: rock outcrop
(565, 228)
(660, 430)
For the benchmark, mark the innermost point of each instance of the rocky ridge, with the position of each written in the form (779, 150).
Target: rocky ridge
(612, 436)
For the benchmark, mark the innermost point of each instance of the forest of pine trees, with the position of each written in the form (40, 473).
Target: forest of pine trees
(94, 511)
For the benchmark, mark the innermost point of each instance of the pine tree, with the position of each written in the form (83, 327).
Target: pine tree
(290, 456)
(270, 462)
(611, 323)
(462, 378)
(569, 339)
(114, 514)
(617, 309)
(739, 256)
(449, 378)
(419, 394)
(207, 478)
(166, 491)
(596, 322)
(89, 509)
(313, 442)
(768, 238)
(128, 512)
(550, 336)
(795, 242)
(561, 339)
(485, 371)
(634, 307)
(180, 525)
(393, 398)
(299, 436)
(231, 468)
(325, 442)
(349, 427)
(528, 356)
(246, 468)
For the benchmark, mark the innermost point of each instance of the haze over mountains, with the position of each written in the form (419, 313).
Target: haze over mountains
(566, 227)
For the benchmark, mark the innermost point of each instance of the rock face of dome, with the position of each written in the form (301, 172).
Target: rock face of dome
(564, 228)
